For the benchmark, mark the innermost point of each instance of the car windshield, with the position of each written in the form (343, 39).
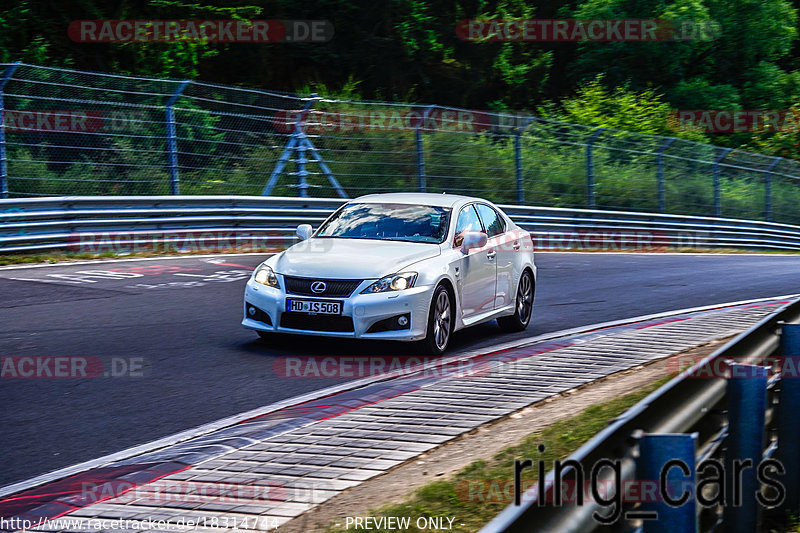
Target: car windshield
(390, 222)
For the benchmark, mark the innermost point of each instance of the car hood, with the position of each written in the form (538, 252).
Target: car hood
(351, 258)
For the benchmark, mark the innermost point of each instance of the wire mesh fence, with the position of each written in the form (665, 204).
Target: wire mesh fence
(66, 132)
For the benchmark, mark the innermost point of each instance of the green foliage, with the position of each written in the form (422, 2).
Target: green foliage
(624, 109)
(744, 58)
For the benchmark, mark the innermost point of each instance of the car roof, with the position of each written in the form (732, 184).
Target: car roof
(419, 198)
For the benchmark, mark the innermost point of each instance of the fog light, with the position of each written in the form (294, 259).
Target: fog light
(251, 310)
(403, 320)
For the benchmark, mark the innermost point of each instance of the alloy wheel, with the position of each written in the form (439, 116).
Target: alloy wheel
(441, 320)
(524, 299)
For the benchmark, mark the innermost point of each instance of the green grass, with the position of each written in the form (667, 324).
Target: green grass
(18, 259)
(451, 497)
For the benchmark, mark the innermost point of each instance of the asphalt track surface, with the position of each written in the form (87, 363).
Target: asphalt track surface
(173, 355)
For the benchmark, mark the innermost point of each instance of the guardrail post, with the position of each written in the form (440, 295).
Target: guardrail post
(518, 160)
(172, 145)
(662, 202)
(717, 192)
(590, 203)
(788, 452)
(768, 189)
(3, 159)
(670, 457)
(420, 153)
(747, 403)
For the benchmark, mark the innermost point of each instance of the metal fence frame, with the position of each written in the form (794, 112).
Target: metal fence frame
(741, 415)
(200, 134)
(53, 224)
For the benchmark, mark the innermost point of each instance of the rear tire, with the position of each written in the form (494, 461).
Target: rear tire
(440, 322)
(523, 308)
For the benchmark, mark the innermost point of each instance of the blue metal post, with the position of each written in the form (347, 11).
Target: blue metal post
(665, 456)
(325, 169)
(518, 160)
(788, 452)
(282, 160)
(298, 134)
(302, 183)
(420, 153)
(590, 203)
(3, 159)
(747, 403)
(768, 189)
(717, 192)
(172, 145)
(662, 203)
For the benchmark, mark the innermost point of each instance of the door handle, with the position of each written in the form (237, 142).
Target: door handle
(515, 246)
(491, 254)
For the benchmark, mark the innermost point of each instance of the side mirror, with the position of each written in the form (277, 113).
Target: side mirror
(473, 239)
(304, 231)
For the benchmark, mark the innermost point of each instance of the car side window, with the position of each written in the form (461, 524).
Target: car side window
(492, 221)
(467, 221)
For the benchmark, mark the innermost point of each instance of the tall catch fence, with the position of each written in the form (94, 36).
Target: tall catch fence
(67, 132)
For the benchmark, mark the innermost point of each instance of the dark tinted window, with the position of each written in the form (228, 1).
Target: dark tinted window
(395, 222)
(491, 219)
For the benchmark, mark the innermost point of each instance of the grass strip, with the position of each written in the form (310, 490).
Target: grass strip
(58, 257)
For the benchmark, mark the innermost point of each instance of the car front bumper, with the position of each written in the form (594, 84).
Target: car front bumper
(365, 310)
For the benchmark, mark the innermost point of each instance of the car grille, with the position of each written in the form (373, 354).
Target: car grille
(309, 322)
(340, 288)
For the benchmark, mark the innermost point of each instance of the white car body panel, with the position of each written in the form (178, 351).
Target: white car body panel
(303, 259)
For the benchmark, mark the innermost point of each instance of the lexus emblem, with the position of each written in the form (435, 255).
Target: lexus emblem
(318, 287)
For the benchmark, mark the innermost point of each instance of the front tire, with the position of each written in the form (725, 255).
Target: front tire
(523, 308)
(440, 322)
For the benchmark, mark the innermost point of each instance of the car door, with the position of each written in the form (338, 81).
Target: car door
(476, 270)
(495, 227)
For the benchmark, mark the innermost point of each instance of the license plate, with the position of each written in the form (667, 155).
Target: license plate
(319, 307)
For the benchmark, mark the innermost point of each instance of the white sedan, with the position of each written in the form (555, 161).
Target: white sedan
(404, 266)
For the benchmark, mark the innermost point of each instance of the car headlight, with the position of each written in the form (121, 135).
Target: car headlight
(266, 276)
(394, 282)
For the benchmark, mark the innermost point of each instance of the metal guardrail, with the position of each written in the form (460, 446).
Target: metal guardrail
(98, 223)
(87, 223)
(63, 223)
(724, 406)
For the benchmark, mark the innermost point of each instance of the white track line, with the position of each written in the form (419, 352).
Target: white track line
(101, 261)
